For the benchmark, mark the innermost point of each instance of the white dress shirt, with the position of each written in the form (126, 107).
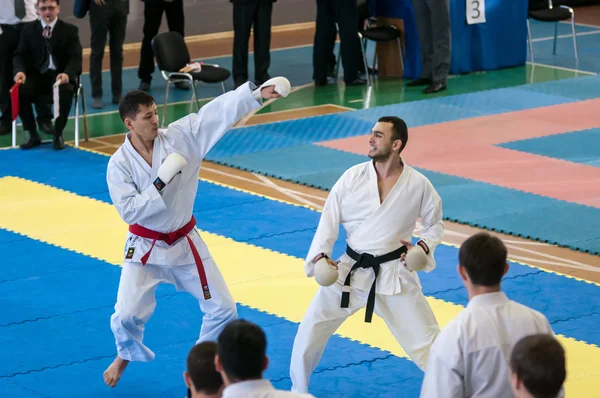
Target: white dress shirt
(7, 12)
(377, 228)
(470, 357)
(261, 388)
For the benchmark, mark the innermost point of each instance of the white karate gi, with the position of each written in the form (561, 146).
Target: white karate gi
(130, 181)
(261, 388)
(471, 356)
(377, 229)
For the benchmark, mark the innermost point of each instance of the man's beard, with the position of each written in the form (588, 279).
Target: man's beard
(382, 156)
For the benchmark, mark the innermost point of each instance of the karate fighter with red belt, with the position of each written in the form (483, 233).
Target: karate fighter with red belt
(153, 181)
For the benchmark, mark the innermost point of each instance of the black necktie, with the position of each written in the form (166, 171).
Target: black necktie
(46, 34)
(20, 9)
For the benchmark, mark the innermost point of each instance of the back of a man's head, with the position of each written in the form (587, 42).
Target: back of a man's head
(483, 256)
(201, 368)
(538, 363)
(242, 351)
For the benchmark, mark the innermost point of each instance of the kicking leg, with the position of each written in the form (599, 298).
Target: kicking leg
(135, 305)
(220, 309)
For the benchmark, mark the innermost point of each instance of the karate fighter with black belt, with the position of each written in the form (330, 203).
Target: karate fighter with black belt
(378, 202)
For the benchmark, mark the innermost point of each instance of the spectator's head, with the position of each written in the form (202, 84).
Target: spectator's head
(482, 262)
(48, 10)
(201, 377)
(538, 367)
(241, 353)
(140, 114)
(388, 138)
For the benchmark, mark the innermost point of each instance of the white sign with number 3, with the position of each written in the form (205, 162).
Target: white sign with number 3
(475, 11)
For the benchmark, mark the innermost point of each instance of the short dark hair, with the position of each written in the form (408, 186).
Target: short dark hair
(242, 350)
(484, 258)
(539, 361)
(43, 1)
(129, 105)
(201, 368)
(399, 129)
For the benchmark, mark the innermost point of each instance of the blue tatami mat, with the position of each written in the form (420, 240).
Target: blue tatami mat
(577, 146)
(273, 225)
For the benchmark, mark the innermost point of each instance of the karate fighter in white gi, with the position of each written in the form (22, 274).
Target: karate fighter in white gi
(378, 203)
(153, 179)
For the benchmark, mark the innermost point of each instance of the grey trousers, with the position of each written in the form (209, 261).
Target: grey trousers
(433, 27)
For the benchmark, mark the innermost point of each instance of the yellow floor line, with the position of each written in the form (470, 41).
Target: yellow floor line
(266, 280)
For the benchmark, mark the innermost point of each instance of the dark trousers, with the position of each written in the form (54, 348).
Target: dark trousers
(153, 11)
(38, 89)
(254, 16)
(433, 27)
(345, 14)
(110, 20)
(9, 41)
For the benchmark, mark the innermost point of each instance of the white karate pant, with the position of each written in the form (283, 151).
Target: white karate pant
(136, 302)
(407, 314)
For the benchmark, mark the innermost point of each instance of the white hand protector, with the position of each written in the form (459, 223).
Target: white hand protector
(416, 259)
(282, 85)
(325, 274)
(172, 165)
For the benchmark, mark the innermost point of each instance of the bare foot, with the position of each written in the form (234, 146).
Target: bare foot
(113, 373)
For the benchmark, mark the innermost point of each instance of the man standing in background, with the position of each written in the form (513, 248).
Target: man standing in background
(107, 17)
(433, 26)
(252, 15)
(153, 11)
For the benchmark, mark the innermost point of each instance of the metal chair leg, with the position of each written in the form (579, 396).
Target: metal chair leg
(555, 37)
(223, 86)
(165, 104)
(337, 63)
(86, 135)
(195, 96)
(574, 37)
(401, 56)
(529, 39)
(77, 96)
(365, 62)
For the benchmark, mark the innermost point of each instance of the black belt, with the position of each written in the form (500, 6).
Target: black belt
(366, 260)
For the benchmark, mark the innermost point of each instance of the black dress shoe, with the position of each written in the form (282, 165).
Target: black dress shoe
(46, 127)
(356, 82)
(32, 142)
(419, 82)
(321, 82)
(58, 142)
(435, 88)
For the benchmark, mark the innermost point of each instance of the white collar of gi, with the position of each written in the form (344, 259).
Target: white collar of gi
(242, 388)
(487, 299)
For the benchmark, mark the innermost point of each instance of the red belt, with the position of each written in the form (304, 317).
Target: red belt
(171, 238)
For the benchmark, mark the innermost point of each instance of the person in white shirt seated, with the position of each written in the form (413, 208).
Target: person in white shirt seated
(538, 367)
(201, 377)
(241, 359)
(470, 357)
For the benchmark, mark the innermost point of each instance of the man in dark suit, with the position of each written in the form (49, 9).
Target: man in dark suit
(49, 51)
(345, 14)
(14, 14)
(246, 14)
(433, 27)
(153, 11)
(107, 17)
